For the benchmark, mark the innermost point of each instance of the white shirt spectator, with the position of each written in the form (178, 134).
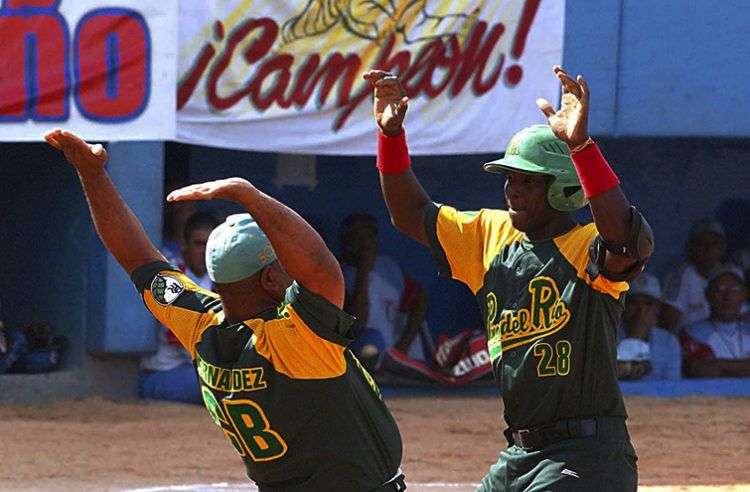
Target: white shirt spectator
(385, 294)
(685, 290)
(727, 340)
(663, 350)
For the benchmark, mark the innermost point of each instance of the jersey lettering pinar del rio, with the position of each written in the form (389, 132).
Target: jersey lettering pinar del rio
(283, 388)
(551, 329)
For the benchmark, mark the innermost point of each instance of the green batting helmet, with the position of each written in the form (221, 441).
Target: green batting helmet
(536, 150)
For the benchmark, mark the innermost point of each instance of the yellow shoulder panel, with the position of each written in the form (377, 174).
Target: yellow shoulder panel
(574, 246)
(471, 240)
(184, 317)
(295, 350)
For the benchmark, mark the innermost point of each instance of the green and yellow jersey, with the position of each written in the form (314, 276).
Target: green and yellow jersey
(551, 329)
(284, 389)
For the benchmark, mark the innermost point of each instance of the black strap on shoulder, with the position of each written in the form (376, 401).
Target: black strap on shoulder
(597, 259)
(640, 242)
(639, 246)
(144, 274)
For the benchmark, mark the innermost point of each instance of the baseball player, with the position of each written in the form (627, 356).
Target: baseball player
(270, 352)
(549, 288)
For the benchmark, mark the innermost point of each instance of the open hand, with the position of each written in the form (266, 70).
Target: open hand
(390, 103)
(83, 156)
(570, 122)
(223, 189)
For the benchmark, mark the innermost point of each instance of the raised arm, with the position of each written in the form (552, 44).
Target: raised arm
(627, 237)
(404, 196)
(299, 248)
(116, 225)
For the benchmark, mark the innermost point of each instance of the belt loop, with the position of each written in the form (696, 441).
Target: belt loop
(396, 484)
(399, 484)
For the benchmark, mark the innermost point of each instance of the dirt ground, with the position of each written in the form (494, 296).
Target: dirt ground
(96, 444)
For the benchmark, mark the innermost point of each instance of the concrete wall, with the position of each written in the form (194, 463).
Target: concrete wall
(55, 270)
(671, 68)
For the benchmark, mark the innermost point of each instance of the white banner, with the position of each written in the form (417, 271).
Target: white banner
(286, 75)
(103, 68)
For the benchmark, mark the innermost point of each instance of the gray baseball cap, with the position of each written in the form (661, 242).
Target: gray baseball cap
(645, 284)
(237, 249)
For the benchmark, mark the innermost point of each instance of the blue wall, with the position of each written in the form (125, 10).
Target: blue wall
(45, 237)
(662, 68)
(54, 268)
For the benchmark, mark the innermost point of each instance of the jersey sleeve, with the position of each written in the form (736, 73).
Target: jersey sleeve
(322, 317)
(464, 243)
(308, 339)
(574, 246)
(179, 304)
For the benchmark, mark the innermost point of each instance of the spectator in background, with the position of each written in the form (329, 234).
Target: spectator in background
(685, 300)
(646, 351)
(169, 373)
(390, 307)
(720, 345)
(32, 349)
(193, 258)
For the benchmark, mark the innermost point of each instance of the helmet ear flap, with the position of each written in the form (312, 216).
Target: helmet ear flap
(565, 198)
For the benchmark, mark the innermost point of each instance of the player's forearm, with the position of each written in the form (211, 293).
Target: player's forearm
(611, 212)
(116, 225)
(406, 201)
(615, 220)
(403, 194)
(300, 249)
(609, 206)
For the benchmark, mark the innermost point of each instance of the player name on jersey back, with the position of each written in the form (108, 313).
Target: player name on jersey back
(230, 380)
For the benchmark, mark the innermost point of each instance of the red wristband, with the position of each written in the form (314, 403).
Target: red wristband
(593, 170)
(393, 154)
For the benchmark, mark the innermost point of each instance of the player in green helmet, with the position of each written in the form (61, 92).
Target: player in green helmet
(536, 150)
(550, 289)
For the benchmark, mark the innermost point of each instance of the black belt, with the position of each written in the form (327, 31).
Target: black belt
(396, 485)
(544, 435)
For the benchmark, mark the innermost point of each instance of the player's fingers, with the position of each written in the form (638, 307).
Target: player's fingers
(545, 106)
(97, 149)
(200, 191)
(52, 138)
(375, 75)
(584, 87)
(71, 141)
(403, 105)
(388, 81)
(563, 75)
(569, 85)
(178, 196)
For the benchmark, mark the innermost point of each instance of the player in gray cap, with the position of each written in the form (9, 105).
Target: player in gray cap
(270, 352)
